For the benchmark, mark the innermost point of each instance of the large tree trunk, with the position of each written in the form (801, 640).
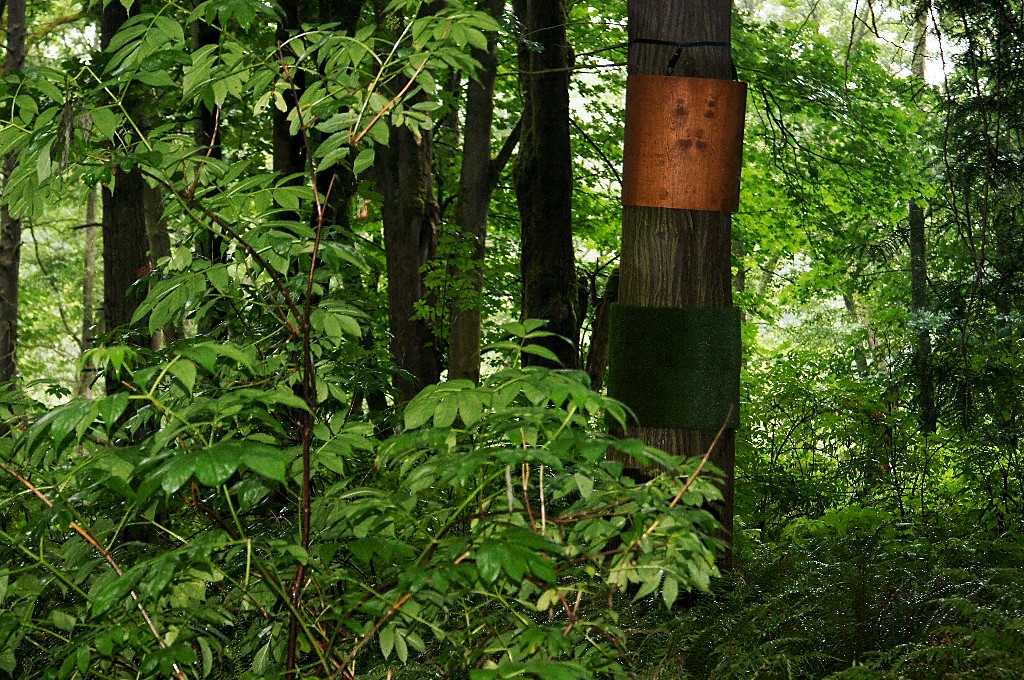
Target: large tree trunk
(681, 258)
(543, 176)
(922, 361)
(125, 240)
(10, 228)
(476, 184)
(410, 216)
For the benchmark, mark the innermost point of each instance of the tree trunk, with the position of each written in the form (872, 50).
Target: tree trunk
(681, 258)
(543, 177)
(91, 248)
(289, 151)
(410, 215)
(476, 184)
(918, 265)
(597, 358)
(206, 131)
(125, 239)
(10, 228)
(159, 239)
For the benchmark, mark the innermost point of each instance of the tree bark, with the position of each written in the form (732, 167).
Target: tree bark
(922, 360)
(410, 215)
(543, 177)
(597, 358)
(476, 184)
(289, 151)
(125, 241)
(10, 228)
(681, 258)
(83, 388)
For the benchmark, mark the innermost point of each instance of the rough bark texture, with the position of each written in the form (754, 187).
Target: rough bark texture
(543, 176)
(476, 183)
(597, 358)
(918, 266)
(159, 239)
(10, 228)
(125, 241)
(681, 258)
(91, 249)
(410, 216)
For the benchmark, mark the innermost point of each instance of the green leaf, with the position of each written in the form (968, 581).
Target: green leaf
(176, 472)
(214, 465)
(541, 351)
(670, 591)
(585, 484)
(261, 660)
(185, 372)
(386, 637)
(446, 410)
(204, 648)
(267, 462)
(115, 591)
(363, 161)
(420, 408)
(105, 122)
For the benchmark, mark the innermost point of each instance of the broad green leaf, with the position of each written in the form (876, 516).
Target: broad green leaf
(267, 462)
(214, 465)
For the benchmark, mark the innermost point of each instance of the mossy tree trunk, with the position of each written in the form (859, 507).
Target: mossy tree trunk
(681, 258)
(543, 176)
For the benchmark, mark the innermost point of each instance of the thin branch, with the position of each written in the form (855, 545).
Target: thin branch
(81, 531)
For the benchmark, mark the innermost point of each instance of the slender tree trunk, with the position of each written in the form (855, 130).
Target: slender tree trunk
(922, 361)
(10, 228)
(597, 358)
(125, 240)
(476, 184)
(543, 176)
(681, 258)
(91, 248)
(159, 239)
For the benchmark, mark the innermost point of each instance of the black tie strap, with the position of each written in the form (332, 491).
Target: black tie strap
(680, 46)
